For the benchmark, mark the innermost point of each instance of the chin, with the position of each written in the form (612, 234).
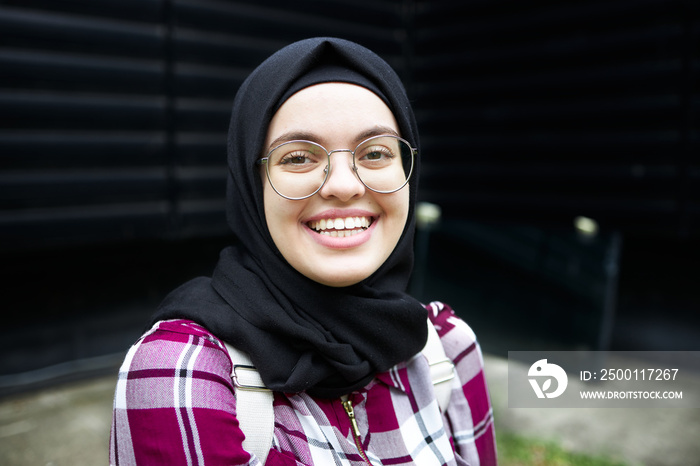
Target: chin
(340, 282)
(336, 280)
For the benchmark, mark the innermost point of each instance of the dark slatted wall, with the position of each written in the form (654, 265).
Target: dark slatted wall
(82, 130)
(113, 120)
(113, 113)
(543, 111)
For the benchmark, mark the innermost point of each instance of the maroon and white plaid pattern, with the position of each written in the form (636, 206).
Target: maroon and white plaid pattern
(175, 404)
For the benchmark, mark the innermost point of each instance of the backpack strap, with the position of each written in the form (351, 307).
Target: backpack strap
(254, 409)
(442, 370)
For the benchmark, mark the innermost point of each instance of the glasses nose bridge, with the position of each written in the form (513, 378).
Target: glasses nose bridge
(350, 151)
(331, 152)
(329, 169)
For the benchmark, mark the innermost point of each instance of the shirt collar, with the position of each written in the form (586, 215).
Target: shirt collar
(397, 376)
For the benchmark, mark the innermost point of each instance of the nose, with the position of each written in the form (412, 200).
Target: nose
(342, 182)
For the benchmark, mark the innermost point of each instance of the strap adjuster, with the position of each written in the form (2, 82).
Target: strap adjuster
(247, 378)
(442, 371)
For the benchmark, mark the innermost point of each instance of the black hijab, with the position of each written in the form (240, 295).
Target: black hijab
(301, 335)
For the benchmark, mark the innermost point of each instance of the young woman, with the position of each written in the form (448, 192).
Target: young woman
(323, 161)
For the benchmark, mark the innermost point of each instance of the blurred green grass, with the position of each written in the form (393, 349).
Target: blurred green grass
(515, 450)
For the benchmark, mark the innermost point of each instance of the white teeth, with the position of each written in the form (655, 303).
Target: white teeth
(341, 227)
(340, 234)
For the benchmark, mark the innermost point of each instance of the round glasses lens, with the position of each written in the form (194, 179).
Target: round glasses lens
(384, 163)
(297, 169)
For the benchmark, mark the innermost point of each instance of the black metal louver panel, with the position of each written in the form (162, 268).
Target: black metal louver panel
(547, 110)
(113, 114)
(215, 45)
(81, 122)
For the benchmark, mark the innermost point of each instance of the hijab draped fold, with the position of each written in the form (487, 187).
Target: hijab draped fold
(301, 335)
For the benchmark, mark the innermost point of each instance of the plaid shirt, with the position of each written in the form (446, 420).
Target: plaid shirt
(175, 405)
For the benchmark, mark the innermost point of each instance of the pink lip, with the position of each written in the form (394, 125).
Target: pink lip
(346, 242)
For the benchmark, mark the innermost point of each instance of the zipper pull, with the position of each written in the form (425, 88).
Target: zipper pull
(347, 404)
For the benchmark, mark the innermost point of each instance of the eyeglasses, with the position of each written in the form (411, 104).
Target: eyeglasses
(299, 169)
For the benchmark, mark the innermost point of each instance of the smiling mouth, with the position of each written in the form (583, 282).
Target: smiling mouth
(340, 227)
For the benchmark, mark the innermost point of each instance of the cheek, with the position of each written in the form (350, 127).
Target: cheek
(402, 205)
(282, 217)
(396, 208)
(273, 211)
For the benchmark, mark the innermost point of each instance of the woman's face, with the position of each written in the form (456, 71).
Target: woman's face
(336, 116)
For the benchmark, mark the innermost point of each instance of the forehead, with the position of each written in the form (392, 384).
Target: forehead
(331, 111)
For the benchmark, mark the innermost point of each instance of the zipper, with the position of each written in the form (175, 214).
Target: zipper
(347, 404)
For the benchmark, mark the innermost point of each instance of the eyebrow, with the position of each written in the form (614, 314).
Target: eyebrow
(309, 136)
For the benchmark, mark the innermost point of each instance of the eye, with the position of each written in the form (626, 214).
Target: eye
(376, 156)
(297, 158)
